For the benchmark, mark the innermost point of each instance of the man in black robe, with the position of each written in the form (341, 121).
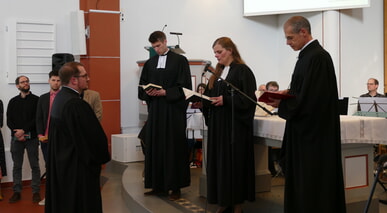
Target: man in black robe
(77, 148)
(167, 156)
(311, 148)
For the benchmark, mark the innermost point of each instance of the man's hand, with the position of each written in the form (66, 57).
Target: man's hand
(43, 138)
(19, 133)
(156, 92)
(276, 102)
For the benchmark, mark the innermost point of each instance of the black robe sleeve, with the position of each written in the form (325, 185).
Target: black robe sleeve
(87, 131)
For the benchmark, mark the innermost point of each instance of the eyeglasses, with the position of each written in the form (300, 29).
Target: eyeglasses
(24, 82)
(81, 76)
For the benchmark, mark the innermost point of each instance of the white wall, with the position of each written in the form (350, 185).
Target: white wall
(260, 41)
(52, 10)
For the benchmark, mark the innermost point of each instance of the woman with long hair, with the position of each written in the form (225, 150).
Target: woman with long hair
(230, 153)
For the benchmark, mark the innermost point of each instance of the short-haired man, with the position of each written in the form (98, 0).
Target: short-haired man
(272, 86)
(43, 113)
(372, 87)
(77, 148)
(166, 161)
(312, 130)
(21, 120)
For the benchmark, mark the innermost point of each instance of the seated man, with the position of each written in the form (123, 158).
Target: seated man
(271, 86)
(372, 87)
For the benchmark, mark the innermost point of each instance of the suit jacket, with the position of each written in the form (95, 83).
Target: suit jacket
(93, 98)
(42, 113)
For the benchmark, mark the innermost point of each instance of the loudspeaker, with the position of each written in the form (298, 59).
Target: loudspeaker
(58, 59)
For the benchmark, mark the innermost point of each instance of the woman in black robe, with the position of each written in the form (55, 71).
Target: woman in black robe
(230, 163)
(3, 168)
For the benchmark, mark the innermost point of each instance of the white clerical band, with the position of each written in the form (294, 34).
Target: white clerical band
(162, 61)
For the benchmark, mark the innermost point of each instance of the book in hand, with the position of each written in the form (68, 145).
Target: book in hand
(150, 86)
(265, 97)
(193, 96)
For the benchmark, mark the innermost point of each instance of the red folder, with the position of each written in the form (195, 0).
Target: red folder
(266, 95)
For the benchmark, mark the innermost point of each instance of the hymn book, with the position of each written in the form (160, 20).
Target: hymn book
(150, 86)
(193, 96)
(265, 97)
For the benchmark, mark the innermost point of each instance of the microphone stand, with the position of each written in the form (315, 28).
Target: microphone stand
(380, 167)
(239, 91)
(233, 89)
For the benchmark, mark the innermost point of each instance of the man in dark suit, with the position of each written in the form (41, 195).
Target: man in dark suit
(43, 113)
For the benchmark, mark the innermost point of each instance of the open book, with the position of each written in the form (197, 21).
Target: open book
(266, 95)
(193, 96)
(150, 86)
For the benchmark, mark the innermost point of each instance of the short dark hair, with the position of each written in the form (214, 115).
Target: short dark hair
(68, 70)
(53, 73)
(18, 79)
(299, 22)
(272, 83)
(157, 36)
(375, 81)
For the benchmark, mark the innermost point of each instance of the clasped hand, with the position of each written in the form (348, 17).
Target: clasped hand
(19, 134)
(156, 92)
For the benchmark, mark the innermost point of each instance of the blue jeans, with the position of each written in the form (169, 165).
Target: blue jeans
(17, 150)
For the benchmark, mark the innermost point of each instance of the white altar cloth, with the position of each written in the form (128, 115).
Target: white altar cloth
(354, 129)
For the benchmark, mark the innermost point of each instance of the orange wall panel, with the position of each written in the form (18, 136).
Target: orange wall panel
(104, 37)
(100, 4)
(102, 61)
(105, 77)
(111, 119)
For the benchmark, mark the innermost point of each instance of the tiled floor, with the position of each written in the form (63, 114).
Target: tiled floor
(119, 180)
(112, 199)
(267, 202)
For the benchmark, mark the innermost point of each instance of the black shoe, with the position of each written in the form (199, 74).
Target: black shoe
(175, 195)
(15, 197)
(36, 197)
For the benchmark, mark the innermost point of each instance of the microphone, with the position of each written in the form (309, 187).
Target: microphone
(163, 28)
(206, 68)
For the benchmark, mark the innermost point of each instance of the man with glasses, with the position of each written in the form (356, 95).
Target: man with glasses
(372, 87)
(77, 148)
(21, 115)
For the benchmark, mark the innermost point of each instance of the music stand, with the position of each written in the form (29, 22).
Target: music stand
(373, 104)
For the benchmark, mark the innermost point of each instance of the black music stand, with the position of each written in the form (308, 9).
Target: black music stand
(381, 165)
(373, 104)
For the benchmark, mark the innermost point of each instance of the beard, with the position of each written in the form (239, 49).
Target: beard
(24, 90)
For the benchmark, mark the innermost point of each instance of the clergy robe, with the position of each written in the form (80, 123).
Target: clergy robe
(3, 166)
(311, 148)
(230, 167)
(77, 148)
(166, 153)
